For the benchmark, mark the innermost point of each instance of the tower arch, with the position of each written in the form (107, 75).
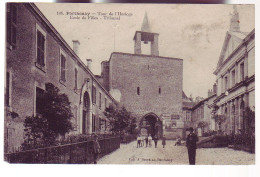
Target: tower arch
(150, 124)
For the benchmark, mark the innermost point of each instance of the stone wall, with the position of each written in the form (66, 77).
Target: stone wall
(25, 76)
(149, 74)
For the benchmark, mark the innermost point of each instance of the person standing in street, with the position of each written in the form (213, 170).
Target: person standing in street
(150, 140)
(96, 148)
(146, 140)
(191, 143)
(163, 141)
(155, 138)
(138, 141)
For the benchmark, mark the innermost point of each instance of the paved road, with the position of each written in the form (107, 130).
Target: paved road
(129, 154)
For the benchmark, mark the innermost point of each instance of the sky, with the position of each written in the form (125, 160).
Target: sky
(194, 33)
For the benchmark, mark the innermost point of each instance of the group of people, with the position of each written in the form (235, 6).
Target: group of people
(191, 143)
(147, 141)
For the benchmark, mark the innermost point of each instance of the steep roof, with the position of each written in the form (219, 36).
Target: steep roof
(145, 26)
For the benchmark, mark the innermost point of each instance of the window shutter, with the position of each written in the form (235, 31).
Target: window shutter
(63, 66)
(7, 96)
(40, 48)
(8, 30)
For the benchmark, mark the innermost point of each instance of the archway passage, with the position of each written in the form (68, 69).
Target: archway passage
(151, 125)
(85, 114)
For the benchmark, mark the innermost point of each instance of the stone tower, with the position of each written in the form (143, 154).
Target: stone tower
(146, 35)
(149, 86)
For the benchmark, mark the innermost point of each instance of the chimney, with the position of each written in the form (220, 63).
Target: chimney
(215, 88)
(210, 93)
(89, 61)
(76, 46)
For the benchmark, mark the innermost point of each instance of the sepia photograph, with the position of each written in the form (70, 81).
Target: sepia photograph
(166, 84)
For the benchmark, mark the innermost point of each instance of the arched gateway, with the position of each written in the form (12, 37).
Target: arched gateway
(150, 124)
(85, 106)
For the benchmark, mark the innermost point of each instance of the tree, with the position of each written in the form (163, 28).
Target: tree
(250, 119)
(52, 119)
(121, 120)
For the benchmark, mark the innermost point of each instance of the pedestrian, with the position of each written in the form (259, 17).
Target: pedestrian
(150, 140)
(191, 143)
(138, 141)
(178, 142)
(163, 141)
(142, 141)
(155, 138)
(146, 140)
(96, 148)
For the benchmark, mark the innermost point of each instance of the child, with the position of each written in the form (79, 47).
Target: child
(178, 141)
(150, 140)
(163, 141)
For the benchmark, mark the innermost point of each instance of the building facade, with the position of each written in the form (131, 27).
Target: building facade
(235, 78)
(36, 54)
(150, 86)
(202, 117)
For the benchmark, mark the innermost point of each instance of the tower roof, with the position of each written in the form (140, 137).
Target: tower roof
(145, 26)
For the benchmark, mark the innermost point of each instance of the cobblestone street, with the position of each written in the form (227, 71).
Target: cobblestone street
(129, 154)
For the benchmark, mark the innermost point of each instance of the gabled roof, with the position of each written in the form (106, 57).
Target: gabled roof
(239, 36)
(202, 101)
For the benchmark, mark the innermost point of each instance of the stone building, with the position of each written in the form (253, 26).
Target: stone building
(235, 78)
(202, 118)
(36, 54)
(150, 86)
(187, 105)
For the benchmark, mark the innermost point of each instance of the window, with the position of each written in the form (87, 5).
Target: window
(7, 89)
(242, 74)
(93, 123)
(94, 95)
(105, 125)
(76, 78)
(39, 94)
(138, 90)
(159, 90)
(11, 23)
(105, 103)
(40, 48)
(226, 83)
(100, 97)
(76, 117)
(187, 116)
(62, 68)
(100, 123)
(233, 75)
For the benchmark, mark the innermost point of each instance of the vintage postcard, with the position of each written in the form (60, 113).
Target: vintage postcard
(130, 84)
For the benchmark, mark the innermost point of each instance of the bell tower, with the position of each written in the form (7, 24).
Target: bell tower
(234, 21)
(146, 36)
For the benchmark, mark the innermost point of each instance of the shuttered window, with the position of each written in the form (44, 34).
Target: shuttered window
(7, 91)
(40, 48)
(94, 95)
(76, 78)
(11, 23)
(63, 68)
